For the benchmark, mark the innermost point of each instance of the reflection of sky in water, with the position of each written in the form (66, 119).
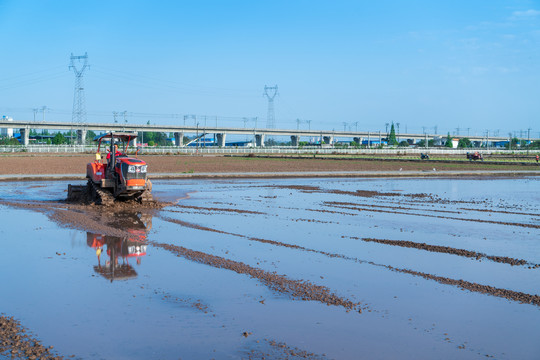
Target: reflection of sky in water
(66, 302)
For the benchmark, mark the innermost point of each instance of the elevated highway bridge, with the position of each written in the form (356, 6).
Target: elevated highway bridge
(179, 131)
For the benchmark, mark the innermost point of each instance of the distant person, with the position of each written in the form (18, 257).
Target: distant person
(537, 158)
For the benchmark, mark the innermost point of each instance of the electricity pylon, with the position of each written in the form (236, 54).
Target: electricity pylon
(270, 92)
(79, 64)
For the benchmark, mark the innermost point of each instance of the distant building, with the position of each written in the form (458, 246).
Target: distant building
(6, 131)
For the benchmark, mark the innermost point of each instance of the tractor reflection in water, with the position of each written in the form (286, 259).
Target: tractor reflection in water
(120, 250)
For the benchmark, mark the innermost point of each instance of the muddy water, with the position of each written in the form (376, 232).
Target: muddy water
(296, 268)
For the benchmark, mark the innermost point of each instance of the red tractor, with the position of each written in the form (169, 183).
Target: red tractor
(475, 156)
(120, 177)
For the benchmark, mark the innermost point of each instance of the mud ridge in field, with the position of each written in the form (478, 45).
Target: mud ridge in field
(360, 193)
(196, 304)
(297, 289)
(484, 289)
(279, 350)
(238, 211)
(418, 197)
(17, 343)
(474, 287)
(392, 207)
(500, 212)
(448, 250)
(337, 205)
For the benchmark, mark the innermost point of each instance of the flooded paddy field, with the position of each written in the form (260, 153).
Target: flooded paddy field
(277, 268)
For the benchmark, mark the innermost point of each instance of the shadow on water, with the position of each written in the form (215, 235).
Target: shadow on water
(116, 255)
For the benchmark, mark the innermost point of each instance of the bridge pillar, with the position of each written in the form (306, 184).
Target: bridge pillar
(259, 140)
(25, 136)
(221, 139)
(179, 138)
(81, 136)
(294, 140)
(328, 139)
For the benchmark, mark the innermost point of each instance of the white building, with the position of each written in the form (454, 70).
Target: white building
(6, 131)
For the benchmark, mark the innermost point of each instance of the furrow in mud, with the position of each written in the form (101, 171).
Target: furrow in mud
(474, 287)
(297, 289)
(332, 204)
(448, 250)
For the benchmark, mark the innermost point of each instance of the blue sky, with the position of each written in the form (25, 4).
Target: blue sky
(424, 64)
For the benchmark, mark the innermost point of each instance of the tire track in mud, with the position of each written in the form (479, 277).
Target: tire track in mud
(466, 285)
(297, 289)
(356, 208)
(448, 250)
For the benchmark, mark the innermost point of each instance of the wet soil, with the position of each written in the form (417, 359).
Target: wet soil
(479, 288)
(297, 289)
(120, 219)
(17, 343)
(280, 350)
(474, 287)
(449, 250)
(72, 164)
(90, 217)
(359, 208)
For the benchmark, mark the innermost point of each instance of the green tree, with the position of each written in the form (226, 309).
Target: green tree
(403, 143)
(160, 139)
(58, 139)
(464, 143)
(513, 144)
(448, 143)
(535, 145)
(9, 141)
(392, 137)
(90, 135)
(422, 143)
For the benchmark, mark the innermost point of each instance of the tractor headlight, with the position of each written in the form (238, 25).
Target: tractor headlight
(143, 168)
(131, 168)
